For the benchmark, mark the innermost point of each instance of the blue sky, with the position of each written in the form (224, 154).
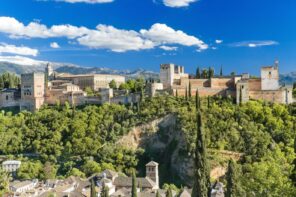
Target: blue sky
(241, 35)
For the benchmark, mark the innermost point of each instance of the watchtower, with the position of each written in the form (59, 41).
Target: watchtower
(152, 172)
(270, 77)
(169, 73)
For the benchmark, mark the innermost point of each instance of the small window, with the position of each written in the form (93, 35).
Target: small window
(7, 97)
(243, 87)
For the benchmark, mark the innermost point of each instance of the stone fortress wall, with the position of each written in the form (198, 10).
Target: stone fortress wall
(264, 88)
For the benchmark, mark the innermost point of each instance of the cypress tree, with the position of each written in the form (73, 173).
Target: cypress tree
(189, 93)
(134, 184)
(240, 96)
(138, 106)
(202, 184)
(198, 75)
(197, 100)
(293, 175)
(230, 178)
(233, 187)
(177, 95)
(105, 191)
(93, 192)
(186, 94)
(204, 74)
(142, 95)
(211, 72)
(169, 193)
(221, 71)
(157, 194)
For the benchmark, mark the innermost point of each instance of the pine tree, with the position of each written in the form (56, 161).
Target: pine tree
(198, 75)
(189, 93)
(221, 71)
(93, 189)
(134, 185)
(202, 184)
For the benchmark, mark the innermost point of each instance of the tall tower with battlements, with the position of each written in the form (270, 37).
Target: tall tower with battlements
(270, 77)
(169, 73)
(48, 72)
(32, 91)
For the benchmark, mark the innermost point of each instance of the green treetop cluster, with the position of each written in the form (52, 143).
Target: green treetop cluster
(61, 141)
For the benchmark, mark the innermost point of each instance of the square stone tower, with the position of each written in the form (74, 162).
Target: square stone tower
(169, 73)
(32, 91)
(242, 91)
(152, 172)
(270, 77)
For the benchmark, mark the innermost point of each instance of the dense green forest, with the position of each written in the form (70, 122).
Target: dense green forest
(61, 141)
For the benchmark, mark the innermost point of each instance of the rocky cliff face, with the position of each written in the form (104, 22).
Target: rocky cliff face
(164, 142)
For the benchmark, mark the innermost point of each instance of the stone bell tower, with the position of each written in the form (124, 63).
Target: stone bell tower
(152, 172)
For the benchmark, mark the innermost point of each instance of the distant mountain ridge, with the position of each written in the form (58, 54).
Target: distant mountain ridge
(288, 78)
(15, 66)
(19, 65)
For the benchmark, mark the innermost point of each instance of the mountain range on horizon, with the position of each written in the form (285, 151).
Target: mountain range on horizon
(19, 65)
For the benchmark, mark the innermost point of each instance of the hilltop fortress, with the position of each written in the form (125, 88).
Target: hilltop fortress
(50, 88)
(242, 87)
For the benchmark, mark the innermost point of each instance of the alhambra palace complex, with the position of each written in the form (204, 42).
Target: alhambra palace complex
(265, 88)
(51, 88)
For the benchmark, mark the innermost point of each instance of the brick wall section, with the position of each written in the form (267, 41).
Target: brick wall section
(254, 84)
(222, 83)
(277, 96)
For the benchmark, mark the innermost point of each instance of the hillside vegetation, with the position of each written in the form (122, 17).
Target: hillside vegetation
(62, 141)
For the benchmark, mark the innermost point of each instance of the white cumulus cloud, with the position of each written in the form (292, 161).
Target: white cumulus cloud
(254, 44)
(168, 48)
(17, 29)
(103, 36)
(115, 39)
(54, 45)
(218, 41)
(18, 50)
(163, 34)
(178, 3)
